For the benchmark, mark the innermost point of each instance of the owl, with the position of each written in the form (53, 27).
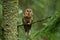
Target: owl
(27, 20)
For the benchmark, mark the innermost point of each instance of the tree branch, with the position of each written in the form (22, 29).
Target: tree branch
(36, 21)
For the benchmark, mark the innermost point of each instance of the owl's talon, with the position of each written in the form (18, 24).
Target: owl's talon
(28, 23)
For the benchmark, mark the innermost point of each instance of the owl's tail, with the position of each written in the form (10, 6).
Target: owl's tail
(27, 29)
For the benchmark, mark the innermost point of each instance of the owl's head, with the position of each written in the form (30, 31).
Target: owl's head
(28, 11)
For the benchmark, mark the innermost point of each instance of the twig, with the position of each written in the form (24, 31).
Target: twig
(41, 20)
(36, 21)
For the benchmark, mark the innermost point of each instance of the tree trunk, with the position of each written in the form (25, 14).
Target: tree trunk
(10, 15)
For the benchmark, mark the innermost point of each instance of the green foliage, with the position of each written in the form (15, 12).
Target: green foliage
(0, 20)
(43, 9)
(49, 28)
(0, 13)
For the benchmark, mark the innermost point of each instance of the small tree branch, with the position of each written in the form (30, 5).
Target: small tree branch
(36, 21)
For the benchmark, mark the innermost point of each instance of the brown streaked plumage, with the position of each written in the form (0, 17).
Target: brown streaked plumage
(27, 20)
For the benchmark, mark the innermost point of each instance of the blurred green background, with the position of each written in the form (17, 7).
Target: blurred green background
(48, 29)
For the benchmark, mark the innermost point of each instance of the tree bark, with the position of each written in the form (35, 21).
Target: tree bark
(10, 15)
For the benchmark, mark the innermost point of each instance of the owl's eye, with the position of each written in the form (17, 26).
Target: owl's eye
(30, 10)
(27, 11)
